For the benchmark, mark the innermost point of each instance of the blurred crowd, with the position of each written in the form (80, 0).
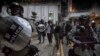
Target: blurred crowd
(84, 26)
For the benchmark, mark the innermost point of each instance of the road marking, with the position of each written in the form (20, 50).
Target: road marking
(71, 45)
(58, 51)
(62, 50)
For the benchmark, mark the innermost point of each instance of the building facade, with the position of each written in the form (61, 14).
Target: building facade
(44, 11)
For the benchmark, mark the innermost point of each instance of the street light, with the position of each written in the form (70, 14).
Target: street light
(70, 6)
(71, 9)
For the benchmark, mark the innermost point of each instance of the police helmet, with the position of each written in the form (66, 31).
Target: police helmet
(12, 6)
(92, 21)
(84, 17)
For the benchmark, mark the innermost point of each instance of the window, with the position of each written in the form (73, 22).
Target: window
(50, 16)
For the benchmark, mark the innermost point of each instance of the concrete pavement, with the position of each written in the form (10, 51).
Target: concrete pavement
(45, 48)
(66, 49)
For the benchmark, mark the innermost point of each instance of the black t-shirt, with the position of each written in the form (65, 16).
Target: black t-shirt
(57, 29)
(68, 27)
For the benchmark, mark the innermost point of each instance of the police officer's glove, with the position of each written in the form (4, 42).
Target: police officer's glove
(77, 41)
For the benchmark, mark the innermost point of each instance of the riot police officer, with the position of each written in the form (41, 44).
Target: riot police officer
(15, 33)
(84, 27)
(82, 33)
